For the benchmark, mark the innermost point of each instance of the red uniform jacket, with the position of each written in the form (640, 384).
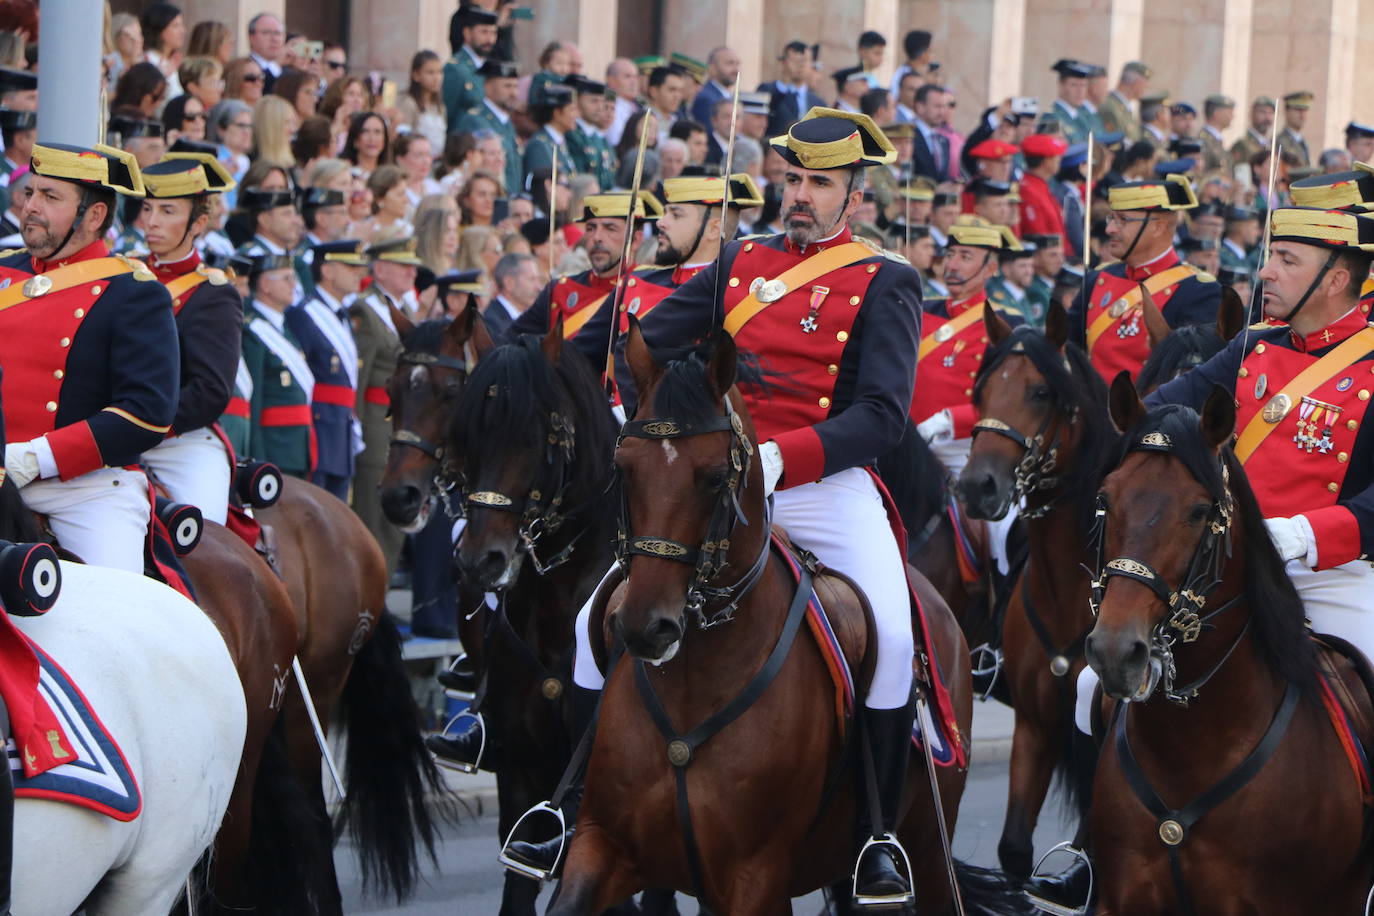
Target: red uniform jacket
(1040, 212)
(950, 363)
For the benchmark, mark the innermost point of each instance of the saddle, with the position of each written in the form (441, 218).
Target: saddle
(1347, 690)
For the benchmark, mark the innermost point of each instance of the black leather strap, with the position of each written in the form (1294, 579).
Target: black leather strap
(417, 358)
(1074, 649)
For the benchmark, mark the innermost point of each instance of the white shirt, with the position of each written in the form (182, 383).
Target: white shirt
(590, 130)
(624, 110)
(270, 66)
(1216, 134)
(511, 310)
(477, 59)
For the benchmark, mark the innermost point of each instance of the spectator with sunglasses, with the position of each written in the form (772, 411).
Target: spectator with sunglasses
(243, 80)
(184, 116)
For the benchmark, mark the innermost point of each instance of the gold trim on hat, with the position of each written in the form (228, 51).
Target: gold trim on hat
(995, 237)
(711, 190)
(1150, 196)
(603, 206)
(1335, 227)
(1329, 196)
(86, 165)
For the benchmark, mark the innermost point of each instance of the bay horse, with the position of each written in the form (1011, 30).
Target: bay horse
(1041, 440)
(1222, 786)
(767, 806)
(1187, 347)
(532, 436)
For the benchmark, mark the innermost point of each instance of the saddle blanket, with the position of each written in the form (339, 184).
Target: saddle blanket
(98, 778)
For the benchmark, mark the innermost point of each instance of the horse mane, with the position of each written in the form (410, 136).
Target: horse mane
(1078, 389)
(427, 336)
(506, 404)
(1184, 348)
(1276, 609)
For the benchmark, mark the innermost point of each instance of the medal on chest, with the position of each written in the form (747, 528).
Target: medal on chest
(285, 379)
(809, 324)
(1131, 326)
(948, 361)
(1315, 415)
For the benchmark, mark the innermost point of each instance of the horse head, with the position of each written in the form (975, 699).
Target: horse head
(424, 391)
(1037, 400)
(690, 477)
(1189, 346)
(1166, 514)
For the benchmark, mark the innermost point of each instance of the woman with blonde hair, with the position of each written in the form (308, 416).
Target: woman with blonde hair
(344, 98)
(243, 80)
(329, 173)
(127, 37)
(274, 121)
(202, 77)
(477, 201)
(479, 248)
(210, 38)
(387, 187)
(436, 239)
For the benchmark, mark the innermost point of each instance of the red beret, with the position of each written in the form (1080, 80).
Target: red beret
(1044, 145)
(992, 149)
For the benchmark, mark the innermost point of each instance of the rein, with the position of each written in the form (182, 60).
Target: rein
(446, 478)
(1035, 470)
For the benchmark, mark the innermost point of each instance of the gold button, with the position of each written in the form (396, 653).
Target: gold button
(95, 291)
(824, 402)
(65, 342)
(734, 281)
(632, 281)
(1100, 281)
(52, 407)
(1333, 488)
(80, 313)
(1259, 348)
(968, 392)
(973, 374)
(832, 369)
(872, 268)
(748, 246)
(853, 300)
(58, 374)
(1364, 394)
(1342, 457)
(983, 339)
(1352, 425)
(842, 336)
(623, 306)
(1244, 372)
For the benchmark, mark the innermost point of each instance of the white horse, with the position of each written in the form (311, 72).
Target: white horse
(157, 673)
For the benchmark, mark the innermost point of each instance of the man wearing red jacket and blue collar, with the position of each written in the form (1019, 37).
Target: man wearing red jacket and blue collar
(89, 347)
(1110, 324)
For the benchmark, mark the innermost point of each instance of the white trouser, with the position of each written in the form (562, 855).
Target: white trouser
(953, 454)
(842, 521)
(1336, 601)
(194, 467)
(102, 517)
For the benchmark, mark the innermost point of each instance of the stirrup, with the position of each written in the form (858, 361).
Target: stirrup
(524, 869)
(459, 765)
(1049, 906)
(985, 661)
(1369, 903)
(451, 692)
(883, 903)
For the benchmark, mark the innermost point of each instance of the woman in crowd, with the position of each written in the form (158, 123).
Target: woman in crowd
(344, 98)
(312, 143)
(231, 128)
(478, 199)
(164, 41)
(202, 77)
(389, 202)
(243, 80)
(436, 239)
(413, 153)
(128, 46)
(143, 87)
(300, 90)
(479, 248)
(274, 121)
(459, 160)
(329, 173)
(359, 202)
(184, 116)
(368, 144)
(210, 38)
(422, 107)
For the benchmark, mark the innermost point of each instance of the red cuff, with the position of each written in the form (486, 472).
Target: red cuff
(1337, 533)
(803, 457)
(74, 450)
(963, 416)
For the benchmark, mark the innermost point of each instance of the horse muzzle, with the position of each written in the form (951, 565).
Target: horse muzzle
(656, 642)
(1123, 661)
(405, 506)
(985, 494)
(490, 569)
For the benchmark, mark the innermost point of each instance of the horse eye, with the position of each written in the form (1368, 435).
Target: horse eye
(715, 481)
(1199, 513)
(1041, 393)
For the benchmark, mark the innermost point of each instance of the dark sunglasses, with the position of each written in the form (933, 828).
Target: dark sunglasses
(335, 65)
(252, 77)
(198, 116)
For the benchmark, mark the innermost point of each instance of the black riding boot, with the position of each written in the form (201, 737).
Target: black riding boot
(1070, 892)
(461, 676)
(544, 856)
(463, 750)
(882, 880)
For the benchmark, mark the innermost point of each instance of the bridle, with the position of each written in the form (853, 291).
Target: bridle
(709, 559)
(1186, 621)
(1035, 471)
(446, 478)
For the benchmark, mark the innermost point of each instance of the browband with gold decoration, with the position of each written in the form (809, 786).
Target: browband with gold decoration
(488, 498)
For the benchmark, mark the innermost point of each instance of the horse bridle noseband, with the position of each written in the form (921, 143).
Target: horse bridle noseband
(709, 559)
(1035, 471)
(446, 478)
(1186, 621)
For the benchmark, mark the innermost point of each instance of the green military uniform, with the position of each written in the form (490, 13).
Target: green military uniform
(301, 262)
(591, 154)
(1115, 116)
(1214, 155)
(129, 240)
(540, 150)
(280, 427)
(884, 184)
(1038, 296)
(1247, 261)
(1296, 146)
(1001, 294)
(481, 117)
(463, 88)
(1244, 149)
(1075, 125)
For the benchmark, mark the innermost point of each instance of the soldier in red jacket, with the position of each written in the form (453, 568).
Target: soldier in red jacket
(91, 361)
(1041, 214)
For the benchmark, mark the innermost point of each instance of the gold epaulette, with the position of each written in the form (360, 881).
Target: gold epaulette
(1261, 326)
(9, 252)
(140, 270)
(213, 275)
(879, 249)
(1204, 276)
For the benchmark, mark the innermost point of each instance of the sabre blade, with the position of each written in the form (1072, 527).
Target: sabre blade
(315, 724)
(618, 291)
(927, 730)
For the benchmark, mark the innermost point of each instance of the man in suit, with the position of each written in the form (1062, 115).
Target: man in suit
(518, 282)
(791, 94)
(471, 36)
(722, 70)
(266, 43)
(930, 148)
(1118, 111)
(499, 93)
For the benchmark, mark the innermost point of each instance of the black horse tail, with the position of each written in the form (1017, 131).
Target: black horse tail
(290, 843)
(1076, 765)
(988, 891)
(389, 773)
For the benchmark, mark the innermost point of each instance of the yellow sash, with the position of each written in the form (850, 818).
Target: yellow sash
(573, 323)
(1132, 299)
(1303, 384)
(955, 325)
(818, 265)
(66, 277)
(183, 285)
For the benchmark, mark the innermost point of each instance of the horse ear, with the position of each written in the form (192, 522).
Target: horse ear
(1057, 326)
(403, 324)
(552, 344)
(1230, 314)
(1127, 408)
(724, 365)
(1155, 325)
(643, 368)
(996, 326)
(1218, 417)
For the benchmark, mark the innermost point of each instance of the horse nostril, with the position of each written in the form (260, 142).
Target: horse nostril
(663, 632)
(1139, 654)
(987, 485)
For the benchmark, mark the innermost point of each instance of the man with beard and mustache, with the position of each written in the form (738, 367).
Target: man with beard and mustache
(840, 321)
(472, 38)
(90, 350)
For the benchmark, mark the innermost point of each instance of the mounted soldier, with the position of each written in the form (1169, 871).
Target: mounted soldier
(89, 345)
(193, 462)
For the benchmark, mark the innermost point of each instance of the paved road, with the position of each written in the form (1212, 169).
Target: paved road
(468, 880)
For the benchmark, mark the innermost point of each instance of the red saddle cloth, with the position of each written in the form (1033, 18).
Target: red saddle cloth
(37, 734)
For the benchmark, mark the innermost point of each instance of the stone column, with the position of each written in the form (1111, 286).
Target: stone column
(1200, 47)
(695, 28)
(236, 13)
(384, 36)
(1104, 32)
(979, 44)
(881, 16)
(1310, 44)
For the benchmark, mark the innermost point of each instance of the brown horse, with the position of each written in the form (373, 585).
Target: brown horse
(1194, 604)
(1041, 440)
(770, 799)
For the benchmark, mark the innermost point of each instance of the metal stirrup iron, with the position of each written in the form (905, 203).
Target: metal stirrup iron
(458, 765)
(526, 869)
(1055, 909)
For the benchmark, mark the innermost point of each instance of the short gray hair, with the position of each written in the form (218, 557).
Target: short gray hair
(220, 116)
(508, 266)
(748, 153)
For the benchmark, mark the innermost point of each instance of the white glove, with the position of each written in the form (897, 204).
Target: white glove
(1293, 538)
(936, 427)
(771, 458)
(21, 463)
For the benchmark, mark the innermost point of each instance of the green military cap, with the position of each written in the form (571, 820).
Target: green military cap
(648, 62)
(1138, 68)
(1301, 100)
(1219, 101)
(396, 251)
(1155, 98)
(1263, 101)
(689, 65)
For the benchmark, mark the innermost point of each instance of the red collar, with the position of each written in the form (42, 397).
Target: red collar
(596, 281)
(956, 306)
(95, 249)
(683, 273)
(1332, 334)
(166, 272)
(1158, 265)
(840, 238)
